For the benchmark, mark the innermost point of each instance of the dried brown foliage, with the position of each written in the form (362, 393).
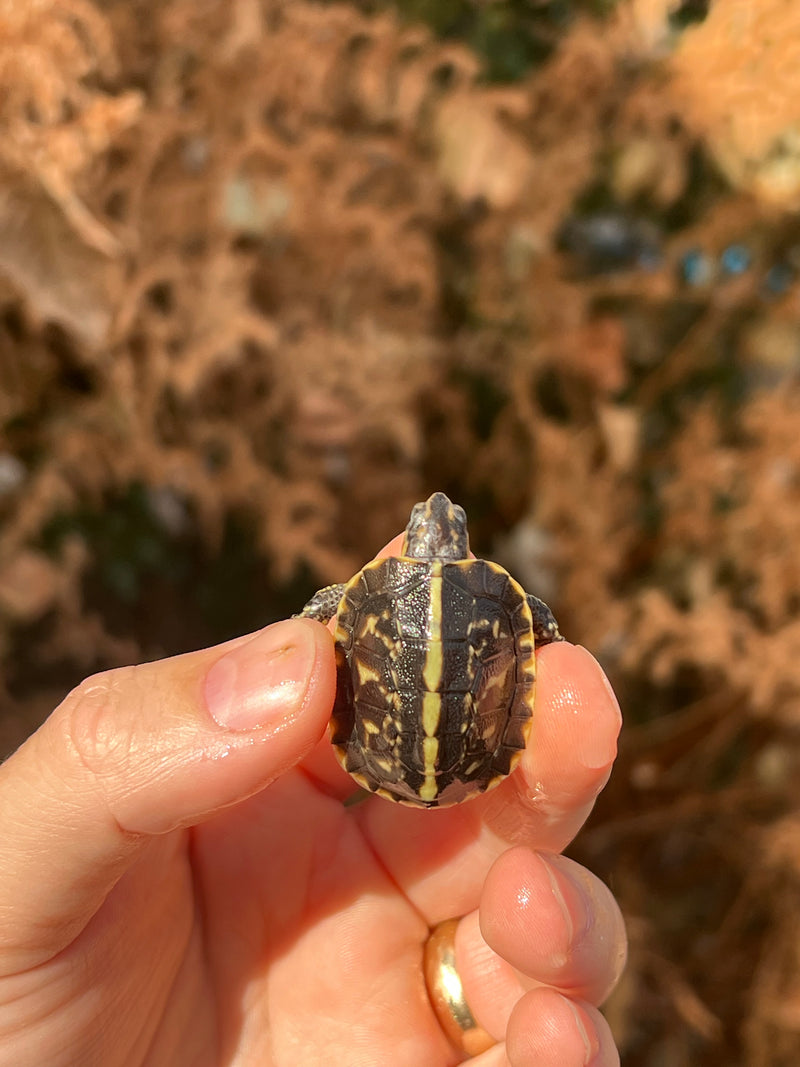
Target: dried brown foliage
(738, 77)
(283, 264)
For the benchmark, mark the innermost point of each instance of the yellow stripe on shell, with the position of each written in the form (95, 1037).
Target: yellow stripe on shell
(435, 603)
(430, 750)
(431, 712)
(428, 789)
(432, 668)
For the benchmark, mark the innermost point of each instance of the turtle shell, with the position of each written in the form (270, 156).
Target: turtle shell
(436, 674)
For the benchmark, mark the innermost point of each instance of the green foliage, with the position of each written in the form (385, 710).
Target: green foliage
(128, 543)
(511, 36)
(147, 551)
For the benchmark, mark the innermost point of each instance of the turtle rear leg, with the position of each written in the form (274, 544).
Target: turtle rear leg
(323, 604)
(545, 627)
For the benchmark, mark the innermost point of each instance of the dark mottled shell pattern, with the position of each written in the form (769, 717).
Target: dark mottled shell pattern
(436, 675)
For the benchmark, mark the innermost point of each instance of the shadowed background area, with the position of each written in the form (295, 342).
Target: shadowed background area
(271, 271)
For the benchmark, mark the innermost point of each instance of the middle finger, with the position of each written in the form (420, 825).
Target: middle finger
(543, 920)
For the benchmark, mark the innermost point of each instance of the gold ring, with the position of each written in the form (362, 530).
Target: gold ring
(447, 994)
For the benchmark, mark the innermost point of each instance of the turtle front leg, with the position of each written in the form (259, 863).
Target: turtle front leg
(545, 627)
(323, 604)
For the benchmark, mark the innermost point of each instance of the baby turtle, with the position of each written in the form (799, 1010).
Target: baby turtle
(435, 665)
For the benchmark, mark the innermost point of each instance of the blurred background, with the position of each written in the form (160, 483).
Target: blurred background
(271, 271)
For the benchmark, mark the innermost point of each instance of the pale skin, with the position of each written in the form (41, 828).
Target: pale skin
(180, 882)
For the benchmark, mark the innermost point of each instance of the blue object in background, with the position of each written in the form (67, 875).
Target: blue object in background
(697, 267)
(778, 279)
(609, 241)
(736, 259)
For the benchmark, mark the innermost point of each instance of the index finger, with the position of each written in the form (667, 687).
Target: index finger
(440, 857)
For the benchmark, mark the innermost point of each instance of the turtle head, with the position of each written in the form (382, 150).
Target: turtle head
(437, 529)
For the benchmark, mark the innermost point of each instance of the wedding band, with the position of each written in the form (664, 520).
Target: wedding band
(447, 994)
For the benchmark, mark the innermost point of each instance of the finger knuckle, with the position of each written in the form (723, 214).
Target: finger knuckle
(97, 721)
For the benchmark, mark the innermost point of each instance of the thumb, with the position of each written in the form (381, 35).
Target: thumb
(140, 751)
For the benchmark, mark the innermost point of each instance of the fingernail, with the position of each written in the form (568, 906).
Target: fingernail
(591, 1045)
(571, 889)
(570, 899)
(263, 680)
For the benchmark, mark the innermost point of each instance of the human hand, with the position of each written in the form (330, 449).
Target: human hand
(180, 883)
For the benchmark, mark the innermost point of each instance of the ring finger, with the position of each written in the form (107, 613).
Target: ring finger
(543, 921)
